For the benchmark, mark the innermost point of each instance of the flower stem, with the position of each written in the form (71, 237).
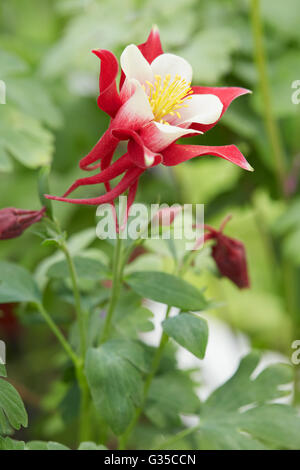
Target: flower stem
(84, 427)
(56, 331)
(270, 123)
(115, 291)
(78, 306)
(155, 364)
(84, 417)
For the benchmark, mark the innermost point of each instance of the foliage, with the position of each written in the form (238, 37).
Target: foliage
(51, 119)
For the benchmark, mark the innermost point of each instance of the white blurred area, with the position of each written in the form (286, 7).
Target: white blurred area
(224, 351)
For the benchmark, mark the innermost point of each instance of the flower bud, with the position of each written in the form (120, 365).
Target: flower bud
(14, 221)
(230, 256)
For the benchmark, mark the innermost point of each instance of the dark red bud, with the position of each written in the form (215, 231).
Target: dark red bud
(229, 255)
(14, 221)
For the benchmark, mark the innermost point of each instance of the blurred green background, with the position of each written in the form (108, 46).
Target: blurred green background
(51, 117)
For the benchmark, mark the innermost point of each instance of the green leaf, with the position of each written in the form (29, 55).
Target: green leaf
(171, 395)
(30, 97)
(6, 443)
(86, 268)
(37, 445)
(17, 284)
(167, 289)
(24, 138)
(189, 331)
(5, 161)
(238, 415)
(130, 317)
(265, 387)
(279, 425)
(56, 446)
(91, 446)
(12, 410)
(40, 445)
(114, 376)
(2, 370)
(134, 322)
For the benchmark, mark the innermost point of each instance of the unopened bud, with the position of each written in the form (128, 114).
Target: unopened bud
(230, 256)
(14, 221)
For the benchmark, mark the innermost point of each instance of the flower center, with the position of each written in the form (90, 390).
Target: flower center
(166, 96)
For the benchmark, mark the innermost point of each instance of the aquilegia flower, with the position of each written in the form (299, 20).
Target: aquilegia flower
(155, 106)
(14, 221)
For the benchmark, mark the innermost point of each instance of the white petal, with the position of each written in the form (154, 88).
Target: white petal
(149, 158)
(136, 112)
(128, 88)
(203, 109)
(172, 64)
(157, 136)
(134, 64)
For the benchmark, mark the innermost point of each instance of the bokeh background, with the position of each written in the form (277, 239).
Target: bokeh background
(51, 117)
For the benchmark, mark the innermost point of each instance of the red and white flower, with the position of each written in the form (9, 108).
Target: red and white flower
(154, 106)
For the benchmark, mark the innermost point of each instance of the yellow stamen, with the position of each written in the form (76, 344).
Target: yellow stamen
(166, 96)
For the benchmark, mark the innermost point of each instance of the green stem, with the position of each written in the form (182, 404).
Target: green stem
(78, 364)
(56, 331)
(79, 310)
(270, 123)
(154, 367)
(84, 417)
(84, 427)
(115, 291)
